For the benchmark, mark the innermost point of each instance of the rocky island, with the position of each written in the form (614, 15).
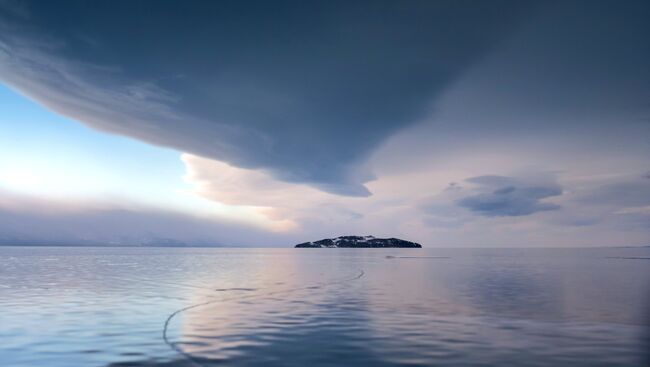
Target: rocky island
(359, 242)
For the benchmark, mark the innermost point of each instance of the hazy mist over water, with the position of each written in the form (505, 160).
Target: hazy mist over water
(64, 307)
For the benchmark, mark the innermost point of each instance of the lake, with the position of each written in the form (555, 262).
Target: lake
(67, 307)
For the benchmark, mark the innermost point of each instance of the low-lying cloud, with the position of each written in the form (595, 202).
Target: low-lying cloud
(26, 220)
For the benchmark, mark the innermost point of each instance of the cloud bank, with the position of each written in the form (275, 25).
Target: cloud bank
(26, 220)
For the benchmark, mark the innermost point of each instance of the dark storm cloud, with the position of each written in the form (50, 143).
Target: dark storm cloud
(303, 90)
(507, 197)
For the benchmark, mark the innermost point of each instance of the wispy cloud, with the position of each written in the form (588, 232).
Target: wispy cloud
(505, 196)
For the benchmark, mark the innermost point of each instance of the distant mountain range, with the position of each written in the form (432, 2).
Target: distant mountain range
(359, 242)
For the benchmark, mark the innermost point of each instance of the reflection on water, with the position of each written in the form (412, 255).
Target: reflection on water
(331, 307)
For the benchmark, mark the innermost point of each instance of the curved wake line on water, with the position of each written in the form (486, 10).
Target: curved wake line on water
(418, 257)
(192, 359)
(156, 282)
(235, 289)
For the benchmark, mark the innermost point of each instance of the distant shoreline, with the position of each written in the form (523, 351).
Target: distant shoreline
(285, 247)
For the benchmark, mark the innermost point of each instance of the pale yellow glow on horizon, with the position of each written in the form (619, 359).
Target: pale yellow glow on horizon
(71, 187)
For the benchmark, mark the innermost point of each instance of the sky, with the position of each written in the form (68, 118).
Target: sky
(256, 123)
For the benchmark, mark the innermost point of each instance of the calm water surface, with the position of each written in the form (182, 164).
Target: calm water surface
(72, 307)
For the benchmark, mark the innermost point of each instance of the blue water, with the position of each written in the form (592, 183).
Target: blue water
(72, 307)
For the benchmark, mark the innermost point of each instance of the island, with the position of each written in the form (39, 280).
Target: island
(359, 242)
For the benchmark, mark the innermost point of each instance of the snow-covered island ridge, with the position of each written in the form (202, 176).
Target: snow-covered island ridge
(359, 242)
